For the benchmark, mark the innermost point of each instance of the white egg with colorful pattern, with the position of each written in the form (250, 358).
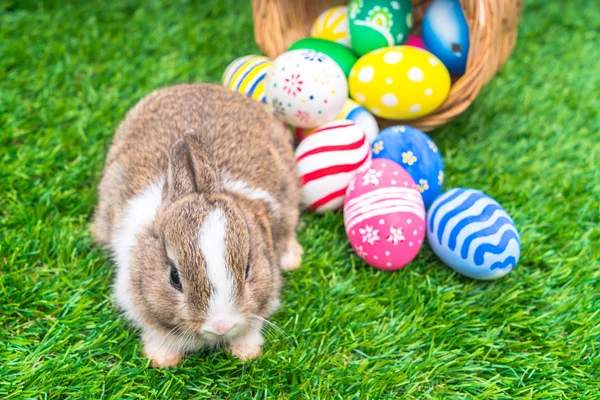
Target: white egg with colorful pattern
(306, 88)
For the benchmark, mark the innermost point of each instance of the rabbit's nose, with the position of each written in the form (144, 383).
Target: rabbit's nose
(219, 326)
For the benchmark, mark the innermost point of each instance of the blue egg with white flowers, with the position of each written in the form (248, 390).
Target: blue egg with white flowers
(446, 34)
(472, 234)
(416, 153)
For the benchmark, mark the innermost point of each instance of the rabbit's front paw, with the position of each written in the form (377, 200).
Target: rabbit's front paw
(164, 360)
(292, 258)
(158, 349)
(247, 347)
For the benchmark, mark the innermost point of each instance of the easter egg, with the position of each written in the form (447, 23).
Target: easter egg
(306, 88)
(415, 41)
(378, 23)
(446, 34)
(327, 160)
(354, 112)
(399, 82)
(384, 215)
(360, 116)
(247, 75)
(332, 25)
(342, 55)
(417, 154)
(472, 234)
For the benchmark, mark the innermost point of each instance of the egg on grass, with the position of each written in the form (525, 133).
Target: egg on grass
(472, 234)
(384, 215)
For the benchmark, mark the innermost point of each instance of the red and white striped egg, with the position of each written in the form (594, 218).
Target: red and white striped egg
(384, 215)
(326, 162)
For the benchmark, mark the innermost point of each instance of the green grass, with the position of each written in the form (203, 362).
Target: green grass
(70, 70)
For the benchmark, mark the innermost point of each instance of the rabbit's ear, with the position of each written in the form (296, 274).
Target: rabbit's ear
(180, 180)
(207, 177)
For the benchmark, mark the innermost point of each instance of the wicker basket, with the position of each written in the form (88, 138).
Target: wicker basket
(493, 32)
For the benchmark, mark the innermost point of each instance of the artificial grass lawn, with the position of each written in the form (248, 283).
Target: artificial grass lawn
(68, 74)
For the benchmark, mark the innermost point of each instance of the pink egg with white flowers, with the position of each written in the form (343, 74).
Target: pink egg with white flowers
(384, 215)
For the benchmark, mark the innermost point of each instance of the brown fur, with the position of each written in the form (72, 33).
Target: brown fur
(190, 134)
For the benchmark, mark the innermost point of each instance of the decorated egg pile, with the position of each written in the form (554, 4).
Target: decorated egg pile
(247, 75)
(378, 23)
(365, 61)
(391, 81)
(417, 154)
(400, 82)
(332, 25)
(473, 234)
(384, 215)
(306, 88)
(327, 160)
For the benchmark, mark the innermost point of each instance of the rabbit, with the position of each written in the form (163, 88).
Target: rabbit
(198, 205)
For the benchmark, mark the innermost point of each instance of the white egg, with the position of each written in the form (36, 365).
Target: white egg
(306, 88)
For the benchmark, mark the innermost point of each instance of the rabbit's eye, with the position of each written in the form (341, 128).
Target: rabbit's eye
(175, 281)
(247, 270)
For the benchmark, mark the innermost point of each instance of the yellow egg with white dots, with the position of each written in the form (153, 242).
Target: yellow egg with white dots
(399, 82)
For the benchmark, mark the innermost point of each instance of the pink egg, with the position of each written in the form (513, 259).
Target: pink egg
(384, 215)
(326, 162)
(415, 41)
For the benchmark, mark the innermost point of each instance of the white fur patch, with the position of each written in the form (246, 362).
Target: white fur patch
(240, 186)
(139, 212)
(211, 240)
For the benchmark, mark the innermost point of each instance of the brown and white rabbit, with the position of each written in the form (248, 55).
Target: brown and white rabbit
(198, 205)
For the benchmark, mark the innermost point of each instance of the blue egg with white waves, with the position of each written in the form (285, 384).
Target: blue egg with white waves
(446, 34)
(417, 154)
(472, 234)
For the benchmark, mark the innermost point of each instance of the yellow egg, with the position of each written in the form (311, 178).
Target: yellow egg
(399, 82)
(332, 25)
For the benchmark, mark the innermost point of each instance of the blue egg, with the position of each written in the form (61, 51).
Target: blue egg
(417, 154)
(472, 234)
(446, 34)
